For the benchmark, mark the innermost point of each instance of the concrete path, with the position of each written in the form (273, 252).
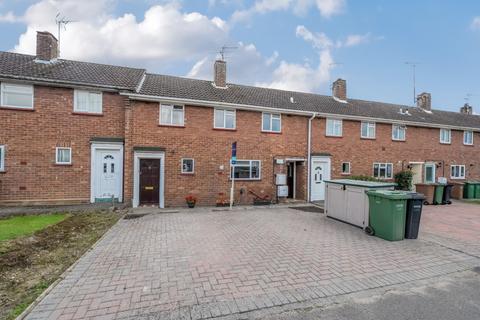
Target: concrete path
(200, 264)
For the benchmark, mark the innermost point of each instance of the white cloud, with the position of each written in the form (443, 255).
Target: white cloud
(318, 40)
(9, 17)
(475, 25)
(357, 39)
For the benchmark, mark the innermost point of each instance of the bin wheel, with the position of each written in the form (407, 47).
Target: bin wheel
(449, 202)
(426, 203)
(369, 230)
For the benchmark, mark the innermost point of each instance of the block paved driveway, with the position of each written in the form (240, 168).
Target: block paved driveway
(199, 264)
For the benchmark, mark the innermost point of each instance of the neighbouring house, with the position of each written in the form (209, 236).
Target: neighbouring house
(74, 132)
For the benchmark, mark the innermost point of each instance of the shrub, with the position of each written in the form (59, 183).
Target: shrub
(404, 179)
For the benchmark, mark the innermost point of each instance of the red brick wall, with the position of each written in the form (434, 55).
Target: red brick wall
(30, 138)
(422, 144)
(211, 149)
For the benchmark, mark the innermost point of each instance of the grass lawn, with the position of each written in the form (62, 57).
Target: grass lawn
(33, 260)
(26, 225)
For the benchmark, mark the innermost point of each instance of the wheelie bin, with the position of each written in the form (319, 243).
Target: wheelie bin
(387, 214)
(413, 215)
(428, 190)
(477, 190)
(447, 194)
(469, 190)
(457, 190)
(438, 195)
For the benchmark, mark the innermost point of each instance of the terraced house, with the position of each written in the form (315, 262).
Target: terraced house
(75, 132)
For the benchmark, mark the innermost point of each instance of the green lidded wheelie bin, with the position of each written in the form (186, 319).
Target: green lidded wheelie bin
(469, 190)
(387, 213)
(438, 197)
(477, 190)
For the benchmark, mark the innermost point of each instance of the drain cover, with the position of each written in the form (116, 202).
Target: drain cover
(308, 209)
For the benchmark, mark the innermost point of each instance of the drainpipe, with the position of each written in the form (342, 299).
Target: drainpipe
(309, 151)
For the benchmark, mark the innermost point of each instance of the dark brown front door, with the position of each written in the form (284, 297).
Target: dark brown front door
(149, 181)
(290, 178)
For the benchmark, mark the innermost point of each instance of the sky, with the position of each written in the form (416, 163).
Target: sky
(300, 45)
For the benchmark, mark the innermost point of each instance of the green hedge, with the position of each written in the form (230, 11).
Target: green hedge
(404, 179)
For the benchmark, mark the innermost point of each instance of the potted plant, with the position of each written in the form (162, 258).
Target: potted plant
(191, 201)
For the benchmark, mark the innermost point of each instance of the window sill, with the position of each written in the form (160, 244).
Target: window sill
(452, 178)
(91, 114)
(246, 180)
(399, 140)
(367, 138)
(3, 171)
(17, 109)
(446, 143)
(64, 164)
(224, 129)
(346, 174)
(272, 132)
(187, 173)
(329, 136)
(171, 125)
(468, 145)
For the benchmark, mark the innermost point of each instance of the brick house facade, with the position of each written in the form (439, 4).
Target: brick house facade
(111, 148)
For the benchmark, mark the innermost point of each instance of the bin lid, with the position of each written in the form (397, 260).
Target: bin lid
(417, 196)
(390, 194)
(361, 183)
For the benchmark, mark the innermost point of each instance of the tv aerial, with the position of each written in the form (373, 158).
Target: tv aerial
(224, 50)
(61, 22)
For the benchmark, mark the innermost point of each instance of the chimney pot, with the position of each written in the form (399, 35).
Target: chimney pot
(47, 46)
(424, 101)
(220, 74)
(466, 109)
(339, 89)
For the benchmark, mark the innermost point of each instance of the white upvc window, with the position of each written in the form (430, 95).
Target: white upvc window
(346, 167)
(188, 165)
(367, 130)
(399, 132)
(430, 169)
(87, 101)
(224, 119)
(63, 155)
(2, 158)
(18, 96)
(246, 170)
(383, 170)
(468, 138)
(172, 115)
(445, 136)
(271, 122)
(334, 128)
(457, 171)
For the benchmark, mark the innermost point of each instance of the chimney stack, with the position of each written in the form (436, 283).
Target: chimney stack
(339, 89)
(220, 74)
(424, 101)
(47, 46)
(466, 109)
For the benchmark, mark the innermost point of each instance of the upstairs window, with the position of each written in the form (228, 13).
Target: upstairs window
(224, 119)
(398, 132)
(63, 155)
(17, 96)
(334, 128)
(246, 170)
(271, 122)
(457, 171)
(368, 130)
(383, 170)
(87, 101)
(445, 136)
(468, 138)
(2, 158)
(172, 115)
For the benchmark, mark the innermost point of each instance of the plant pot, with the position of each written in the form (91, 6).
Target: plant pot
(191, 204)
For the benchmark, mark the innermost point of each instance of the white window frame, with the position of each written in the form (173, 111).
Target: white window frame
(2, 158)
(170, 122)
(272, 115)
(385, 165)
(370, 126)
(76, 93)
(193, 166)
(399, 126)
(250, 166)
(465, 135)
(449, 141)
(3, 90)
(225, 118)
(334, 122)
(434, 172)
(349, 168)
(458, 168)
(56, 155)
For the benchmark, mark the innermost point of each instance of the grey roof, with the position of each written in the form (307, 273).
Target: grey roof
(185, 88)
(21, 66)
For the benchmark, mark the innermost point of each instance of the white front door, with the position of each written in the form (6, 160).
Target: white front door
(320, 171)
(107, 175)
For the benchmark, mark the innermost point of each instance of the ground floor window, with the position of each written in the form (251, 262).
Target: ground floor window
(246, 170)
(457, 171)
(383, 170)
(188, 165)
(2, 158)
(345, 167)
(63, 156)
